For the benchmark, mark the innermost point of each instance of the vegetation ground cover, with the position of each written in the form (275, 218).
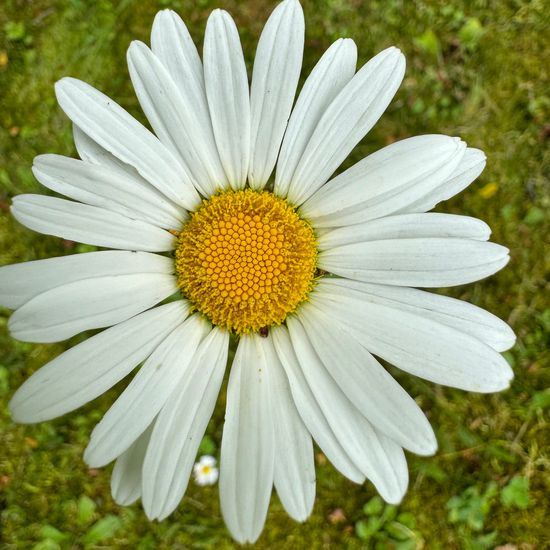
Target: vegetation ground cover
(477, 69)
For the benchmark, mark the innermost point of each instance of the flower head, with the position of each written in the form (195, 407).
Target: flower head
(311, 272)
(205, 471)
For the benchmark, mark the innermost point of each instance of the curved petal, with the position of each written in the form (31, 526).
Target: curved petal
(418, 344)
(385, 182)
(375, 393)
(228, 95)
(294, 473)
(376, 456)
(115, 130)
(247, 451)
(93, 153)
(107, 188)
(88, 224)
(90, 151)
(147, 393)
(185, 130)
(310, 411)
(91, 303)
(127, 472)
(353, 112)
(173, 45)
(90, 368)
(456, 314)
(180, 426)
(21, 282)
(407, 226)
(431, 262)
(470, 167)
(274, 80)
(333, 71)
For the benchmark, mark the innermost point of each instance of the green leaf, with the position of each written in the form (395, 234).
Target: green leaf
(534, 216)
(207, 446)
(516, 493)
(428, 42)
(433, 471)
(15, 30)
(409, 544)
(541, 400)
(86, 510)
(471, 507)
(508, 211)
(362, 530)
(366, 529)
(390, 512)
(374, 506)
(398, 531)
(47, 544)
(407, 519)
(51, 533)
(471, 32)
(102, 530)
(544, 319)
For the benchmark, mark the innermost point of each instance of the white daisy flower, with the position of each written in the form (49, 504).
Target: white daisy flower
(311, 272)
(205, 471)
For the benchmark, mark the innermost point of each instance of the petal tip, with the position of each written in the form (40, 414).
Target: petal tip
(15, 412)
(167, 12)
(66, 82)
(478, 153)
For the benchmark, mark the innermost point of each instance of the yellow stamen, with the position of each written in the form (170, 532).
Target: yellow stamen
(246, 260)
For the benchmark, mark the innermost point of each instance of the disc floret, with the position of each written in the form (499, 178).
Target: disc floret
(246, 260)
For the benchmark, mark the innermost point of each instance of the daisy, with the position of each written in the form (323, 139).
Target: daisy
(205, 471)
(311, 273)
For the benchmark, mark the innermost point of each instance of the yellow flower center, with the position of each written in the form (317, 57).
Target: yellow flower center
(246, 260)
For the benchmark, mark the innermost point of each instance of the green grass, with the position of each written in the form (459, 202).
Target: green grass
(476, 69)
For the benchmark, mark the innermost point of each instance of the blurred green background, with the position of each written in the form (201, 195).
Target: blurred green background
(476, 69)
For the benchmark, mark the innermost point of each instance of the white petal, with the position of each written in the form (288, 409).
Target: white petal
(454, 313)
(353, 112)
(89, 369)
(126, 476)
(247, 451)
(187, 132)
(418, 344)
(90, 303)
(309, 409)
(88, 224)
(21, 282)
(376, 456)
(333, 71)
(274, 80)
(470, 167)
(115, 130)
(407, 226)
(383, 402)
(419, 262)
(294, 474)
(180, 426)
(227, 91)
(90, 151)
(207, 460)
(173, 45)
(146, 394)
(385, 182)
(108, 188)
